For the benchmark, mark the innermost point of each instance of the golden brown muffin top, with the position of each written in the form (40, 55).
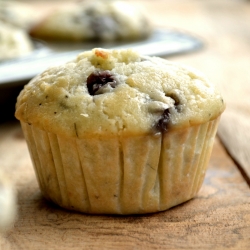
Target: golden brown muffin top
(110, 92)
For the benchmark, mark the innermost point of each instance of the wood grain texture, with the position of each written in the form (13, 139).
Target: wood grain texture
(217, 218)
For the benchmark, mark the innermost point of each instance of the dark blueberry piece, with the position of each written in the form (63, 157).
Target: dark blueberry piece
(98, 79)
(162, 124)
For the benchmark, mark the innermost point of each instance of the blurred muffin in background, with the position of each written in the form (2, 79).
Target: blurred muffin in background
(14, 42)
(17, 14)
(7, 202)
(94, 20)
(16, 18)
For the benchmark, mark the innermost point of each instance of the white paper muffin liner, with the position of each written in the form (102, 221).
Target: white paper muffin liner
(130, 175)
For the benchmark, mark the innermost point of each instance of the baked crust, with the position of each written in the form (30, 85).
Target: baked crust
(150, 95)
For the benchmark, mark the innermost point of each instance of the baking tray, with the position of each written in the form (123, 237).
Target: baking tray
(162, 43)
(17, 72)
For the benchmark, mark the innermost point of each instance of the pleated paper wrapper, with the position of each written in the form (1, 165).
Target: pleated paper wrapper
(121, 175)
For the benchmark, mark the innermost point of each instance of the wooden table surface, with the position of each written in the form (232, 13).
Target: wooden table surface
(219, 217)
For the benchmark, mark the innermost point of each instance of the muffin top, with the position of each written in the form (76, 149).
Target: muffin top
(110, 92)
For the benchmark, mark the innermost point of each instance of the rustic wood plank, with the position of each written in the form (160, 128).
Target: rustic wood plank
(217, 218)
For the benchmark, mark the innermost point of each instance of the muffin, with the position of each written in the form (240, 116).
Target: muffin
(94, 20)
(116, 132)
(7, 202)
(14, 42)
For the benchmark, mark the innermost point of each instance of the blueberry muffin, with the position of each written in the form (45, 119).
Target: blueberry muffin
(94, 20)
(115, 132)
(14, 42)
